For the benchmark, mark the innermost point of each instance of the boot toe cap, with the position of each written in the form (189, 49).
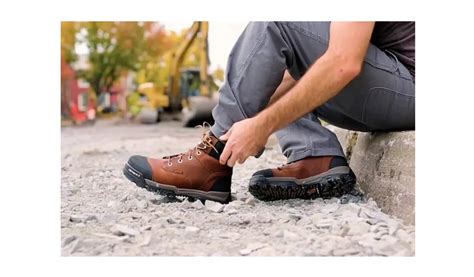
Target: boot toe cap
(140, 163)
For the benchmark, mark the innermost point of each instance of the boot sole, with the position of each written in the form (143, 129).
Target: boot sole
(137, 177)
(333, 183)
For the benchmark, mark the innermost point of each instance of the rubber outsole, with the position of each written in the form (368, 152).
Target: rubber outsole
(172, 191)
(329, 186)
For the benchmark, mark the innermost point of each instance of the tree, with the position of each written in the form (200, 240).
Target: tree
(155, 58)
(114, 47)
(218, 74)
(68, 41)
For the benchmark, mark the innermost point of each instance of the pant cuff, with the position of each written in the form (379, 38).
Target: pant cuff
(217, 131)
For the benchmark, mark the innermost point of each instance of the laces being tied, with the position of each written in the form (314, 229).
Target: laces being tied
(206, 142)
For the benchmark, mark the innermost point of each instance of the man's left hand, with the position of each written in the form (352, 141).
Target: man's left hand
(245, 138)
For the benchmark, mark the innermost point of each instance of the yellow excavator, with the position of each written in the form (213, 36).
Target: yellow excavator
(189, 91)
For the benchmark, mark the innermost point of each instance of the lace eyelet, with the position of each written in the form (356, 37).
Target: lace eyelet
(180, 161)
(170, 164)
(199, 152)
(190, 157)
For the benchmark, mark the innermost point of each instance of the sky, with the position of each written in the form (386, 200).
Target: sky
(222, 36)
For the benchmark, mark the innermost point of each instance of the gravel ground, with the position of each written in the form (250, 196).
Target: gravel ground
(102, 213)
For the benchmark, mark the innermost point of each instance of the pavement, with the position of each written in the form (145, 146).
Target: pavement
(104, 214)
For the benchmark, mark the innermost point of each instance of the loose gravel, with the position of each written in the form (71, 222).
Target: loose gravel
(104, 214)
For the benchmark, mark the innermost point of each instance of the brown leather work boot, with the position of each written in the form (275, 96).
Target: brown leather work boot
(309, 178)
(196, 173)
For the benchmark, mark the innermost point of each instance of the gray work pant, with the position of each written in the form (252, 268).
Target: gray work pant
(380, 98)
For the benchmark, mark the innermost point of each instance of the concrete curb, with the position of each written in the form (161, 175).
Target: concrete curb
(385, 167)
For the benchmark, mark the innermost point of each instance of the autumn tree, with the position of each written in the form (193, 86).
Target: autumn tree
(218, 74)
(154, 60)
(114, 47)
(68, 41)
(158, 54)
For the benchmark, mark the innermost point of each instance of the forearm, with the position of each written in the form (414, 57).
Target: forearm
(340, 64)
(322, 81)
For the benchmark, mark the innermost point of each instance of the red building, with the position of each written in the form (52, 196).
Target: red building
(76, 102)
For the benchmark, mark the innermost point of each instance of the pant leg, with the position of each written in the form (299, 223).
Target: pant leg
(255, 69)
(306, 137)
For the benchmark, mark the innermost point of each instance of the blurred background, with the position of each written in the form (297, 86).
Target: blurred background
(143, 72)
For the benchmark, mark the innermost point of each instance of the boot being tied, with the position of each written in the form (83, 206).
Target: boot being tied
(309, 178)
(196, 173)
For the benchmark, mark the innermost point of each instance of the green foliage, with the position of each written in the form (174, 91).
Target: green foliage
(114, 47)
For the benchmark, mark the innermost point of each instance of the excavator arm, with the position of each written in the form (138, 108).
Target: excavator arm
(198, 31)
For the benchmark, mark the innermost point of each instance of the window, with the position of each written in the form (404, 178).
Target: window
(82, 102)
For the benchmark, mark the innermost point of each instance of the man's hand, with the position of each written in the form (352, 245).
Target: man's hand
(246, 138)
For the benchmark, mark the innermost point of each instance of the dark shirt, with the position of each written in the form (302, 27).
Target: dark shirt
(397, 38)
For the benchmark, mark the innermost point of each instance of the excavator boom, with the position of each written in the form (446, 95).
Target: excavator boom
(198, 31)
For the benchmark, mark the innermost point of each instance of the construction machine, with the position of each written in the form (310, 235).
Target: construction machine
(189, 92)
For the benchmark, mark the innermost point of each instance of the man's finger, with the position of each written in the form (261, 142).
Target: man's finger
(225, 136)
(225, 155)
(241, 160)
(233, 158)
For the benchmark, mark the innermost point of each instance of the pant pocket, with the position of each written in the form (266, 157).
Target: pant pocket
(389, 110)
(380, 60)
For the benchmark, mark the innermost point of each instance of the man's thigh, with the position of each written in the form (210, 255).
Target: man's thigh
(307, 40)
(382, 97)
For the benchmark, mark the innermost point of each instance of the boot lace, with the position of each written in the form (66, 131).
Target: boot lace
(206, 142)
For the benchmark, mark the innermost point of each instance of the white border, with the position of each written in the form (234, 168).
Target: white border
(29, 55)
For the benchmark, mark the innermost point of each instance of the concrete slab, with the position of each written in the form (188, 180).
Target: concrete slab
(385, 167)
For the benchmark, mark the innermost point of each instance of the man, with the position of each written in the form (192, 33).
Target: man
(355, 75)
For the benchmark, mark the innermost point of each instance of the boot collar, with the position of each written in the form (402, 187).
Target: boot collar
(211, 145)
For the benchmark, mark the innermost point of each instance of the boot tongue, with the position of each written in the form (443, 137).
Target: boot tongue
(214, 141)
